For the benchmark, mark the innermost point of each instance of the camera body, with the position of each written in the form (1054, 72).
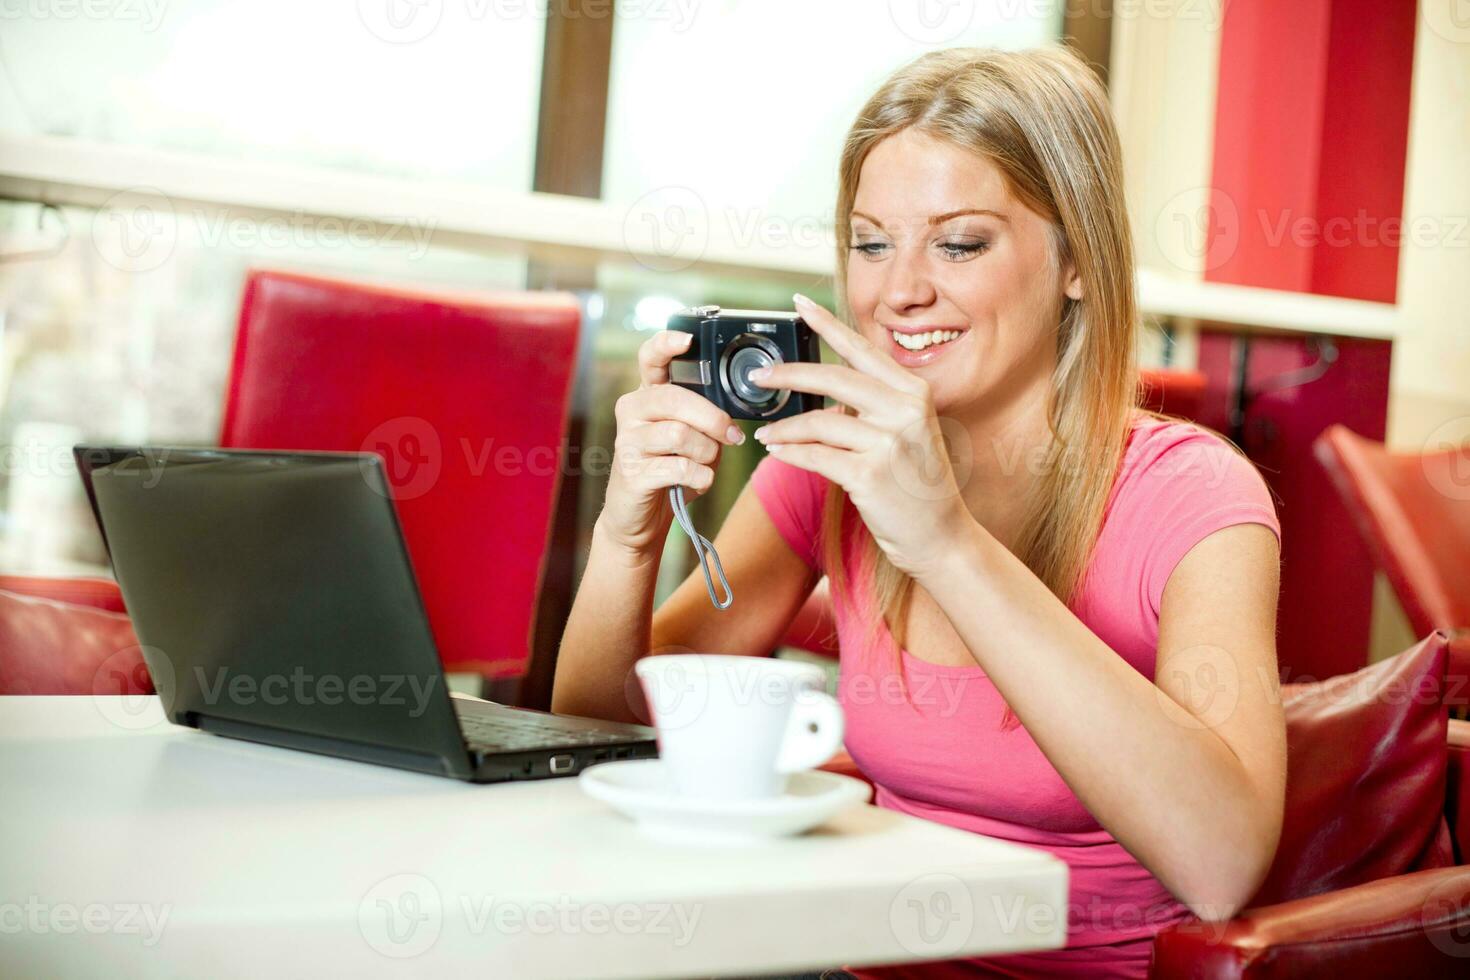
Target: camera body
(729, 344)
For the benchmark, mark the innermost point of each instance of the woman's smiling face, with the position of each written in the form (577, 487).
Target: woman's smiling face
(952, 275)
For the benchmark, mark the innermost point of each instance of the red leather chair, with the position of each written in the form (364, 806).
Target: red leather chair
(1368, 879)
(67, 636)
(99, 593)
(464, 395)
(1413, 512)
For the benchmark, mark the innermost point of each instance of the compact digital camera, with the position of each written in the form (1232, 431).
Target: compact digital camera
(729, 344)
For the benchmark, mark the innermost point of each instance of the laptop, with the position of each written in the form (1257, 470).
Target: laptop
(275, 602)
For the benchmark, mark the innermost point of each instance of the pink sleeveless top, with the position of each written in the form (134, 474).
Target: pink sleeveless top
(944, 756)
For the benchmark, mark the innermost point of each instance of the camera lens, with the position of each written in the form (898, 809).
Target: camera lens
(742, 362)
(742, 355)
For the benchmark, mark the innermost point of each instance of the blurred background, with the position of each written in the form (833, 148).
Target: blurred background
(1297, 180)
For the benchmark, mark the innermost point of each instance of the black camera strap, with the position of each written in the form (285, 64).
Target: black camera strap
(703, 548)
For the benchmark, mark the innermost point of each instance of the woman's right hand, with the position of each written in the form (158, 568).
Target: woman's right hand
(666, 436)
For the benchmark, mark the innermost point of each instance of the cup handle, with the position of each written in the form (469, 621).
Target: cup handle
(813, 732)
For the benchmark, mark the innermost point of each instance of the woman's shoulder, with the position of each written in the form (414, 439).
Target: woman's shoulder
(1179, 483)
(1167, 456)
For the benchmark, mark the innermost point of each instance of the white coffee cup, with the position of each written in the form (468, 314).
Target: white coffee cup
(734, 727)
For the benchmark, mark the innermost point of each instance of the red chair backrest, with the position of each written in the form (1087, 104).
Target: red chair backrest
(50, 646)
(465, 397)
(1414, 514)
(1366, 776)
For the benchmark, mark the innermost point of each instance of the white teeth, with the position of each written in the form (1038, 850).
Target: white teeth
(919, 341)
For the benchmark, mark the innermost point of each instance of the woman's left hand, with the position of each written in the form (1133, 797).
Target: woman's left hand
(890, 456)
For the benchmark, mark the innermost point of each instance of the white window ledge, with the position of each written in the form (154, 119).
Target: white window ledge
(670, 228)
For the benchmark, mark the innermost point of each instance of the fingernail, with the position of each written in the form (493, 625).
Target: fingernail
(734, 435)
(761, 433)
(681, 338)
(760, 374)
(801, 300)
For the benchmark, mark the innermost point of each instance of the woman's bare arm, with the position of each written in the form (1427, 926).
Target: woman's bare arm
(612, 623)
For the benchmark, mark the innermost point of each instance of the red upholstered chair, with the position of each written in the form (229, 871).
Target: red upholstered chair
(99, 593)
(1413, 512)
(1368, 880)
(464, 395)
(67, 636)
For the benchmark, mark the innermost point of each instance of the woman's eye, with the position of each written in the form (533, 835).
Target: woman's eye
(962, 250)
(870, 249)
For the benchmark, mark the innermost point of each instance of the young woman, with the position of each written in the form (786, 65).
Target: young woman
(1074, 601)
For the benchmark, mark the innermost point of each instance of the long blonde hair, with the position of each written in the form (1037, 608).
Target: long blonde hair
(1042, 117)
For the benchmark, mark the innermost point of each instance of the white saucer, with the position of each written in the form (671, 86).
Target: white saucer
(639, 789)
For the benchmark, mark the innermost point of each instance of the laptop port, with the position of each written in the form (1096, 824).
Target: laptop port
(561, 764)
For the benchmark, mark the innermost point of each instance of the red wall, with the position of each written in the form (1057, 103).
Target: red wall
(1311, 133)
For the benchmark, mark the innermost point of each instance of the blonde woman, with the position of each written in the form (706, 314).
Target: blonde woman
(1094, 587)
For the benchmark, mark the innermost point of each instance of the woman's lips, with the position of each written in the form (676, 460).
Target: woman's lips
(929, 354)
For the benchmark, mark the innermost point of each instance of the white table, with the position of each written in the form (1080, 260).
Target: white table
(131, 847)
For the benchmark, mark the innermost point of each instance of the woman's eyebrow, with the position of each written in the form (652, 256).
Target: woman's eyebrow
(938, 218)
(941, 218)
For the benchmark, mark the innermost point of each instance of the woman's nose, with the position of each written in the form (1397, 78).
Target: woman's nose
(907, 284)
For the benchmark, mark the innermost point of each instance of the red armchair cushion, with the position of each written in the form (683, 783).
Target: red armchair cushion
(49, 647)
(1365, 790)
(1408, 926)
(99, 593)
